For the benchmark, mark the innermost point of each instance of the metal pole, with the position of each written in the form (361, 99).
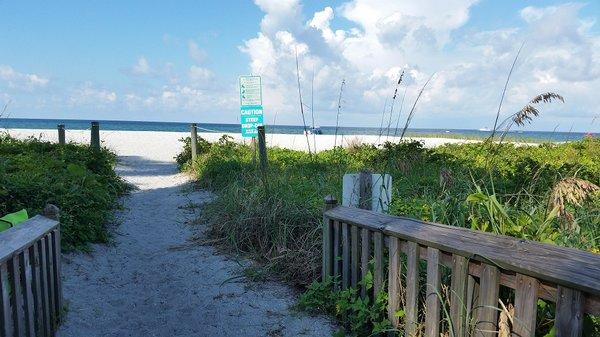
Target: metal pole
(194, 135)
(95, 136)
(61, 134)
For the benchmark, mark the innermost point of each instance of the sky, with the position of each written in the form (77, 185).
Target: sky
(181, 60)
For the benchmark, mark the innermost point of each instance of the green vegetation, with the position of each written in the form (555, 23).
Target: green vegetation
(80, 181)
(546, 193)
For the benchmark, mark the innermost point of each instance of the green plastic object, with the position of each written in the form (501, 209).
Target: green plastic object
(13, 219)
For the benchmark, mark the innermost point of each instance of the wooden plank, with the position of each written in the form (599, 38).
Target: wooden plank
(434, 293)
(44, 277)
(365, 256)
(16, 297)
(28, 301)
(378, 268)
(51, 286)
(411, 312)
(355, 257)
(37, 288)
(472, 298)
(526, 296)
(486, 324)
(16, 239)
(55, 237)
(6, 311)
(570, 267)
(394, 281)
(569, 313)
(345, 256)
(458, 296)
(327, 249)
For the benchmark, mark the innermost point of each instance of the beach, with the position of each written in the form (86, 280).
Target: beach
(162, 143)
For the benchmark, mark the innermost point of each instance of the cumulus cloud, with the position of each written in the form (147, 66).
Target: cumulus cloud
(385, 37)
(18, 80)
(141, 67)
(87, 94)
(196, 53)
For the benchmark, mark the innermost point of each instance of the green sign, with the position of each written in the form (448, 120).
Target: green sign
(251, 110)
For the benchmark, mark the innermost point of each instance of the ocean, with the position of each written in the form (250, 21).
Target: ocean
(75, 124)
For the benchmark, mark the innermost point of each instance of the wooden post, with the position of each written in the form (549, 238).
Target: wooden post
(61, 134)
(194, 136)
(95, 136)
(262, 150)
(327, 271)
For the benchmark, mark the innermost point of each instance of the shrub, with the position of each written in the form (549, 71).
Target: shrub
(80, 181)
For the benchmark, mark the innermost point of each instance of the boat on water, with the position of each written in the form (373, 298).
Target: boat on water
(484, 129)
(316, 130)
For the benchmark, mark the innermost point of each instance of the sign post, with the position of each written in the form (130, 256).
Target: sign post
(251, 110)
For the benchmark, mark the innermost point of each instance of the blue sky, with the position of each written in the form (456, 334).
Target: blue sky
(179, 61)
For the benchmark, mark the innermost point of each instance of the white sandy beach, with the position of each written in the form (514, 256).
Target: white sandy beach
(159, 142)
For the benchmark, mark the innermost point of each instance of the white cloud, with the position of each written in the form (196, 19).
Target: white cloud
(200, 75)
(88, 95)
(18, 80)
(562, 53)
(196, 53)
(141, 67)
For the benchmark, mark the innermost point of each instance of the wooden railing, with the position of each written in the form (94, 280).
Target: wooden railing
(30, 283)
(479, 264)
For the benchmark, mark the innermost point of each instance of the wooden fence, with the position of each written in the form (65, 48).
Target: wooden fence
(30, 283)
(477, 263)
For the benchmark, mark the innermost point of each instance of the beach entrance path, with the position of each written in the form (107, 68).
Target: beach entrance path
(152, 282)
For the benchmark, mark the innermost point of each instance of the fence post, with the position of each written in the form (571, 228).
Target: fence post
(194, 136)
(262, 150)
(61, 134)
(95, 136)
(330, 202)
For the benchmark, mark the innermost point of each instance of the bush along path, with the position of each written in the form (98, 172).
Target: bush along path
(151, 281)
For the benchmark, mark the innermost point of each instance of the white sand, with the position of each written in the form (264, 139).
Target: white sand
(162, 143)
(152, 281)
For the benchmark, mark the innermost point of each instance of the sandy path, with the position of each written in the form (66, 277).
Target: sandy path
(144, 285)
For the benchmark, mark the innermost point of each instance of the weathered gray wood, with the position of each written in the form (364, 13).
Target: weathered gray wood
(434, 292)
(345, 256)
(378, 267)
(337, 253)
(394, 281)
(95, 136)
(354, 257)
(6, 311)
(16, 239)
(327, 249)
(194, 141)
(61, 134)
(27, 292)
(51, 284)
(569, 313)
(44, 277)
(570, 267)
(16, 297)
(37, 288)
(262, 149)
(486, 324)
(55, 237)
(458, 295)
(365, 184)
(365, 256)
(412, 290)
(472, 298)
(526, 296)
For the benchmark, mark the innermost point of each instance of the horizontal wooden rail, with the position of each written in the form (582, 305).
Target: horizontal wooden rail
(30, 282)
(479, 263)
